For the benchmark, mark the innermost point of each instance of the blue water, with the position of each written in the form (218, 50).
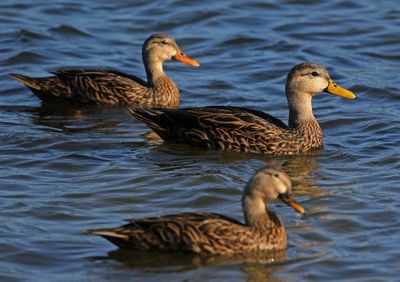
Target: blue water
(60, 174)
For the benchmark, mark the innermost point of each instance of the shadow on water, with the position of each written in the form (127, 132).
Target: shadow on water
(255, 265)
(302, 169)
(75, 119)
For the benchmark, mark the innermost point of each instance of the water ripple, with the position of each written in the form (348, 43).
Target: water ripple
(62, 173)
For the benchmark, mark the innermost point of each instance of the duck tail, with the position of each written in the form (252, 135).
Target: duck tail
(105, 233)
(153, 118)
(49, 89)
(32, 83)
(118, 239)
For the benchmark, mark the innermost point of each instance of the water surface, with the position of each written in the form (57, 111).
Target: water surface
(60, 173)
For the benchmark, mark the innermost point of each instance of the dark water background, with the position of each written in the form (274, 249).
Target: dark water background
(60, 174)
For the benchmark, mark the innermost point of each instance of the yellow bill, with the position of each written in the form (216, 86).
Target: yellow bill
(335, 89)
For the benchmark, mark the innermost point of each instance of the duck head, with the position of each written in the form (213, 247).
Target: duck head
(309, 78)
(267, 185)
(159, 48)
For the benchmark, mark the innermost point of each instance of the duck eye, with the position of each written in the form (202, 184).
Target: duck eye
(314, 73)
(276, 175)
(164, 42)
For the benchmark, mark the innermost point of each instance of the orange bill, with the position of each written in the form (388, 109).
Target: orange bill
(337, 90)
(290, 201)
(185, 59)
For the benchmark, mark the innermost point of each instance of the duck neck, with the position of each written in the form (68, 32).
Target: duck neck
(154, 70)
(255, 213)
(300, 109)
(302, 120)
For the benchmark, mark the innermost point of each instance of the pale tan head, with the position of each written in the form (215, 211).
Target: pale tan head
(160, 48)
(311, 79)
(269, 184)
(303, 82)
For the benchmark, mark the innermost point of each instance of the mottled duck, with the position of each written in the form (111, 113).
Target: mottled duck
(108, 87)
(246, 130)
(211, 233)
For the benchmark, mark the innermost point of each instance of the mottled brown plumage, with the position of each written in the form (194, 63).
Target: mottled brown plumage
(245, 130)
(91, 86)
(212, 233)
